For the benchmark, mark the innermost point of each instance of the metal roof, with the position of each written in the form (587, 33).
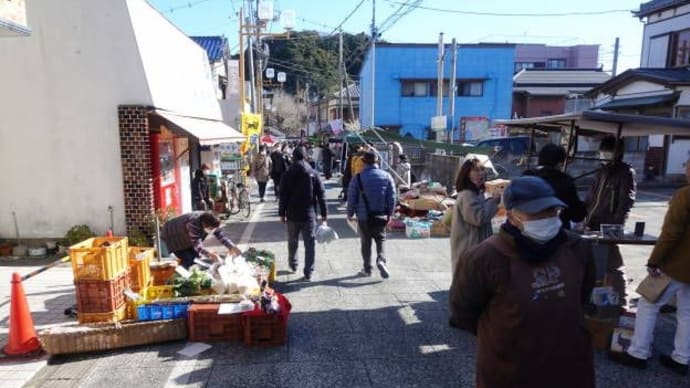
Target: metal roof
(215, 46)
(639, 101)
(605, 122)
(676, 76)
(560, 77)
(651, 7)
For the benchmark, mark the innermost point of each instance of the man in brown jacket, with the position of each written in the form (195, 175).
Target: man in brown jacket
(671, 255)
(521, 291)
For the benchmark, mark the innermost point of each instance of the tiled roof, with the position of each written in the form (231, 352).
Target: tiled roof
(353, 89)
(666, 77)
(651, 7)
(670, 75)
(214, 46)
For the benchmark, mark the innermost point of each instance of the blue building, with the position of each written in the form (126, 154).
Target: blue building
(406, 85)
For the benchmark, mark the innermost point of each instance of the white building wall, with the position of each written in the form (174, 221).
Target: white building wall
(59, 137)
(651, 30)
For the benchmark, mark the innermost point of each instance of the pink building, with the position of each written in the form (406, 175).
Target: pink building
(541, 56)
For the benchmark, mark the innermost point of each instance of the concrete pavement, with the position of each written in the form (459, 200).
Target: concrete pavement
(344, 331)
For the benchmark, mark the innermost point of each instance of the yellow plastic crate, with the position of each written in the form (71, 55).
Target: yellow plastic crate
(111, 317)
(91, 260)
(160, 292)
(139, 266)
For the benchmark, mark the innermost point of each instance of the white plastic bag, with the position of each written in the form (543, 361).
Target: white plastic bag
(325, 234)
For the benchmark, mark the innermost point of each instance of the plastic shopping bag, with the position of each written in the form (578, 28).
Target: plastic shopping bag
(325, 234)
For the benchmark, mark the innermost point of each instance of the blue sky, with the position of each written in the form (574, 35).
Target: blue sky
(219, 17)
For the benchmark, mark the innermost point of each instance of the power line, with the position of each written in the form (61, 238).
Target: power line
(347, 17)
(315, 23)
(480, 13)
(188, 5)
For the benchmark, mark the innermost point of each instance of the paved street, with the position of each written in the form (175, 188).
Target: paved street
(344, 331)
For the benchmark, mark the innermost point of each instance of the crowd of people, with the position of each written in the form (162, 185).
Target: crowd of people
(524, 290)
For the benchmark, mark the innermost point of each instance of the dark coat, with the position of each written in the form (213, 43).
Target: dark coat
(279, 164)
(612, 195)
(564, 186)
(175, 232)
(199, 186)
(300, 191)
(528, 316)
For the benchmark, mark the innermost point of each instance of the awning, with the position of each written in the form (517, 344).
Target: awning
(638, 101)
(209, 132)
(604, 122)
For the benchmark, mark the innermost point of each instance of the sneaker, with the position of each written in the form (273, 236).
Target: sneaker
(364, 273)
(261, 200)
(293, 268)
(382, 268)
(306, 278)
(625, 359)
(673, 365)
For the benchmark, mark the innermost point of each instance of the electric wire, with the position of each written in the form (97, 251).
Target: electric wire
(506, 14)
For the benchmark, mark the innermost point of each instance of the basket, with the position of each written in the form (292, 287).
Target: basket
(206, 325)
(111, 317)
(93, 261)
(139, 262)
(101, 296)
(161, 275)
(99, 337)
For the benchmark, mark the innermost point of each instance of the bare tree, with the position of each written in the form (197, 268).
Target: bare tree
(287, 113)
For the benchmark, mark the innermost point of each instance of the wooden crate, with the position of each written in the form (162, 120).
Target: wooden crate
(101, 296)
(206, 325)
(99, 258)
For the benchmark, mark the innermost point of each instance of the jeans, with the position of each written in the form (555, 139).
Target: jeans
(647, 312)
(307, 230)
(366, 234)
(276, 186)
(262, 189)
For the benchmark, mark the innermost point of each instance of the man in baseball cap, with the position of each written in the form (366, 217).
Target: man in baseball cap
(521, 292)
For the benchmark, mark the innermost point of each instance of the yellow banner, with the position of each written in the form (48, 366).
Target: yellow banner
(251, 124)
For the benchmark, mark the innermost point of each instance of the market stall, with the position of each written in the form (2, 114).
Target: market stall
(126, 297)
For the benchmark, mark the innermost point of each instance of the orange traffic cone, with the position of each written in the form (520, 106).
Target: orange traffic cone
(22, 339)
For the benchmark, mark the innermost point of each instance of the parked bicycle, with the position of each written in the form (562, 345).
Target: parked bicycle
(236, 197)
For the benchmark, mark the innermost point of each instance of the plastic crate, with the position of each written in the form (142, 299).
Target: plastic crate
(139, 262)
(265, 330)
(160, 276)
(160, 292)
(101, 296)
(111, 317)
(91, 260)
(152, 312)
(206, 325)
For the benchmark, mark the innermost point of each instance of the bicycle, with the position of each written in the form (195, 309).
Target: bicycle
(236, 196)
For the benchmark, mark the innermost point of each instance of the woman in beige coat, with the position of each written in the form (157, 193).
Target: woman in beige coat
(472, 213)
(261, 169)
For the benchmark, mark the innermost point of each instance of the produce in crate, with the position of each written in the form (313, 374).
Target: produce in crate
(196, 283)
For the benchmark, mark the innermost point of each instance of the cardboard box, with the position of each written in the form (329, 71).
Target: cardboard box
(601, 331)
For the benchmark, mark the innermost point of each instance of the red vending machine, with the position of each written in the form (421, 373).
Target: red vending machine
(166, 172)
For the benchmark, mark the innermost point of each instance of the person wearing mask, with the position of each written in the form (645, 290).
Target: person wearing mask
(521, 292)
(472, 213)
(261, 169)
(609, 201)
(301, 191)
(404, 171)
(670, 256)
(184, 236)
(279, 164)
(551, 158)
(371, 195)
(200, 194)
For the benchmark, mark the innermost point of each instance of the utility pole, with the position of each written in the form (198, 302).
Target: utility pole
(340, 75)
(373, 60)
(259, 66)
(242, 70)
(452, 91)
(439, 80)
(615, 57)
(252, 66)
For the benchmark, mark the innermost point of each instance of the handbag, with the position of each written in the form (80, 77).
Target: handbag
(652, 287)
(374, 219)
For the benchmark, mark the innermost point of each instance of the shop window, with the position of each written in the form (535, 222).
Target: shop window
(679, 49)
(167, 159)
(470, 88)
(433, 90)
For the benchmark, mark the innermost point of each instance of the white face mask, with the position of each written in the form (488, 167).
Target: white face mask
(541, 230)
(606, 156)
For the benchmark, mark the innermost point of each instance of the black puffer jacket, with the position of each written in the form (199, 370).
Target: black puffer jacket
(564, 186)
(612, 195)
(300, 191)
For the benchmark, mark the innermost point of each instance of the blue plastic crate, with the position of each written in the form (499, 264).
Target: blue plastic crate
(143, 313)
(180, 310)
(156, 312)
